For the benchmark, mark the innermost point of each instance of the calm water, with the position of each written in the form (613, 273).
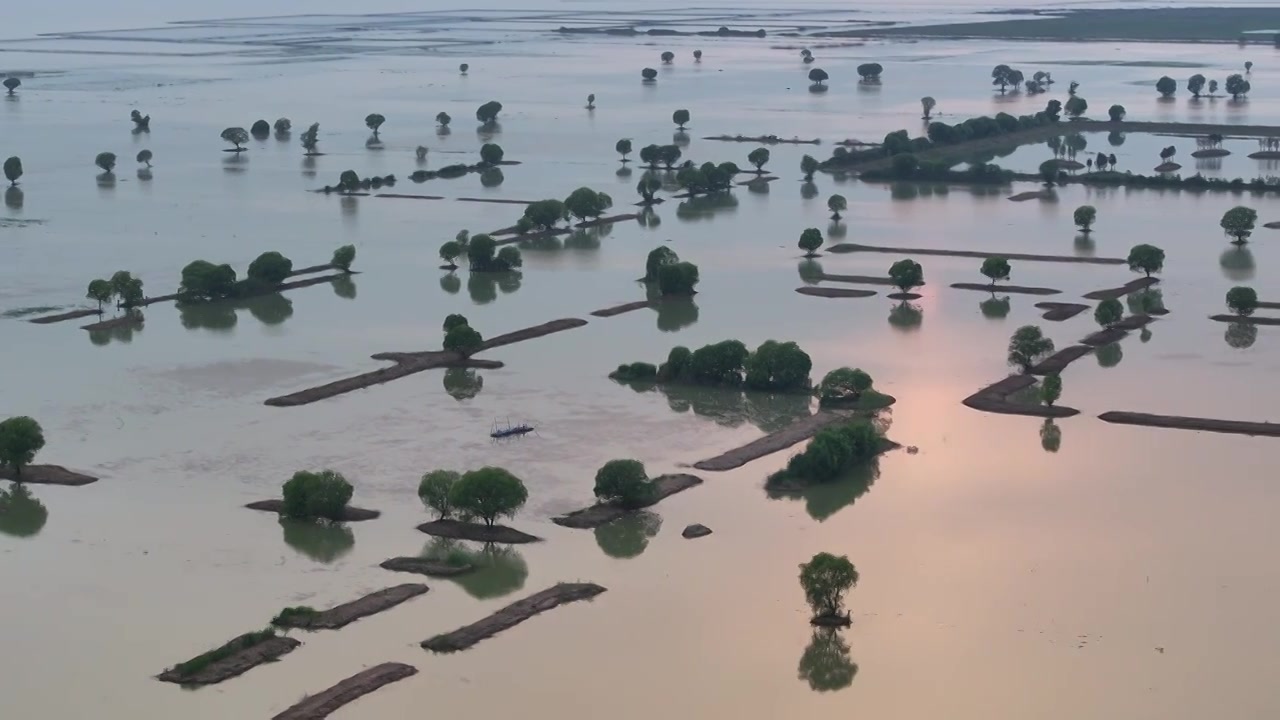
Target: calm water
(998, 579)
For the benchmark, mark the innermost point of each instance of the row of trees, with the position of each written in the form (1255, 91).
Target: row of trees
(203, 281)
(488, 494)
(483, 254)
(774, 366)
(1237, 86)
(123, 287)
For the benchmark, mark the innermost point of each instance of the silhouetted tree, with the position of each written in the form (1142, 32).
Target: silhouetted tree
(236, 136)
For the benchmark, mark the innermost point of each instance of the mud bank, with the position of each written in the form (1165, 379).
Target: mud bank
(857, 279)
(1118, 331)
(342, 615)
(478, 532)
(324, 703)
(1057, 311)
(236, 657)
(1016, 289)
(512, 615)
(425, 566)
(854, 247)
(828, 292)
(349, 513)
(71, 315)
(48, 475)
(1178, 422)
(773, 442)
(763, 140)
(1245, 319)
(603, 513)
(624, 308)
(129, 319)
(1059, 361)
(1128, 288)
(994, 398)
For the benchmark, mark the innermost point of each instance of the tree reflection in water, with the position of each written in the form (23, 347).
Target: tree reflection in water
(810, 271)
(119, 333)
(462, 383)
(706, 207)
(1110, 355)
(483, 287)
(906, 316)
(345, 287)
(1050, 436)
(451, 283)
(1237, 263)
(826, 664)
(319, 540)
(21, 514)
(822, 500)
(731, 407)
(628, 536)
(1241, 335)
(995, 308)
(674, 312)
(499, 569)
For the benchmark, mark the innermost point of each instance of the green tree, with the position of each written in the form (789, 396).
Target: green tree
(658, 258)
(1003, 75)
(1051, 389)
(144, 157)
(1116, 113)
(12, 84)
(837, 204)
(808, 165)
(311, 139)
(343, 257)
(322, 495)
(449, 252)
(489, 493)
(1075, 106)
(236, 136)
(491, 153)
(126, 288)
(586, 203)
(13, 170)
(488, 112)
(996, 268)
(481, 252)
(545, 214)
(810, 241)
(1242, 300)
(101, 291)
(508, 258)
(1146, 259)
(680, 118)
(928, 104)
(435, 489)
(260, 128)
(649, 74)
(349, 181)
(906, 274)
(677, 278)
(667, 57)
(778, 367)
(453, 320)
(1108, 312)
(20, 439)
(1195, 84)
(1049, 172)
(1027, 346)
(647, 187)
(202, 280)
(374, 121)
(1236, 85)
(870, 71)
(1084, 217)
(623, 148)
(443, 119)
(106, 161)
(270, 267)
(818, 76)
(1166, 86)
(1238, 222)
(758, 157)
(463, 339)
(844, 383)
(826, 579)
(283, 125)
(625, 483)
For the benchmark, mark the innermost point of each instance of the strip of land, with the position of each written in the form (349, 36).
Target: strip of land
(322, 704)
(1058, 311)
(1059, 361)
(854, 247)
(829, 292)
(479, 532)
(762, 139)
(1128, 288)
(47, 475)
(342, 615)
(598, 222)
(70, 315)
(409, 363)
(1177, 422)
(425, 566)
(1118, 331)
(409, 197)
(349, 513)
(773, 442)
(1246, 319)
(857, 279)
(1019, 289)
(624, 308)
(236, 657)
(994, 398)
(512, 615)
(606, 512)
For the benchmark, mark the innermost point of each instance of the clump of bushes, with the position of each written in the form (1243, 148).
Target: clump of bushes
(850, 387)
(830, 452)
(297, 616)
(774, 366)
(635, 372)
(625, 483)
(200, 662)
(487, 494)
(317, 495)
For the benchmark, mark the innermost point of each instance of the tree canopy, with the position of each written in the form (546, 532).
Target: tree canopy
(1166, 86)
(844, 383)
(1238, 222)
(1084, 217)
(778, 367)
(11, 84)
(870, 71)
(488, 493)
(809, 165)
(649, 74)
(374, 121)
(311, 138)
(488, 112)
(322, 495)
(236, 136)
(435, 490)
(1051, 388)
(1116, 113)
(462, 339)
(106, 161)
(837, 204)
(20, 439)
(202, 280)
(826, 578)
(1146, 259)
(677, 278)
(13, 170)
(625, 483)
(996, 268)
(1242, 300)
(1108, 313)
(100, 291)
(1028, 346)
(810, 241)
(1236, 85)
(545, 214)
(1075, 106)
(623, 148)
(758, 157)
(491, 153)
(906, 274)
(658, 257)
(586, 203)
(271, 267)
(817, 76)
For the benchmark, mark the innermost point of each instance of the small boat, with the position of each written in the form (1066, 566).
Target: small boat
(499, 432)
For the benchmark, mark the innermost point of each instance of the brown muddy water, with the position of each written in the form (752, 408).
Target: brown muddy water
(1009, 568)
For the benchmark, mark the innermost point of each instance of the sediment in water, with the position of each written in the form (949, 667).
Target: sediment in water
(512, 615)
(606, 512)
(324, 703)
(342, 615)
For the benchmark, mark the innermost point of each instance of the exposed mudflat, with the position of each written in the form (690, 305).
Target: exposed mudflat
(326, 702)
(349, 513)
(1178, 422)
(994, 398)
(48, 475)
(603, 513)
(479, 532)
(829, 292)
(512, 615)
(342, 615)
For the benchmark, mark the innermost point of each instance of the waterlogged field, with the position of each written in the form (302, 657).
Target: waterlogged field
(1079, 570)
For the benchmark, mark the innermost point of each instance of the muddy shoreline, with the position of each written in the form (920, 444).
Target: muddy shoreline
(512, 615)
(1059, 311)
(857, 279)
(235, 664)
(623, 308)
(829, 292)
(48, 475)
(326, 702)
(1016, 289)
(855, 247)
(603, 513)
(994, 398)
(774, 442)
(478, 532)
(425, 566)
(1178, 422)
(340, 616)
(349, 513)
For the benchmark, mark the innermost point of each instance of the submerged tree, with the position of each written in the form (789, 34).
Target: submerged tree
(1076, 106)
(667, 57)
(810, 241)
(808, 165)
(322, 495)
(311, 139)
(680, 118)
(906, 274)
(144, 157)
(491, 153)
(443, 119)
(1084, 216)
(1108, 312)
(13, 170)
(1028, 346)
(1195, 84)
(1051, 389)
(1242, 300)
(1116, 113)
(759, 157)
(283, 126)
(488, 112)
(141, 123)
(1238, 222)
(1166, 86)
(20, 439)
(12, 84)
(928, 104)
(374, 121)
(826, 578)
(649, 74)
(837, 204)
(996, 268)
(106, 161)
(697, 56)
(1213, 86)
(818, 76)
(1236, 85)
(1146, 259)
(625, 483)
(237, 136)
(870, 71)
(623, 148)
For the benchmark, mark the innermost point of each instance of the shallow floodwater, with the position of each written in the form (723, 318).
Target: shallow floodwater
(1078, 570)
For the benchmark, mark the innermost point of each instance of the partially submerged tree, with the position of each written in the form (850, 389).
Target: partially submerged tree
(20, 439)
(624, 483)
(1236, 86)
(141, 123)
(1004, 76)
(1195, 84)
(646, 188)
(1242, 300)
(657, 259)
(1028, 346)
(1075, 106)
(100, 290)
(586, 203)
(203, 281)
(106, 161)
(270, 267)
(144, 157)
(1051, 389)
(837, 204)
(623, 148)
(591, 101)
(374, 121)
(818, 76)
(13, 170)
(1108, 313)
(1116, 113)
(343, 257)
(488, 112)
(680, 118)
(463, 68)
(545, 214)
(434, 491)
(778, 367)
(649, 74)
(906, 274)
(810, 241)
(808, 165)
(489, 493)
(1238, 222)
(420, 153)
(449, 253)
(1146, 259)
(667, 57)
(677, 278)
(759, 157)
(843, 383)
(1213, 87)
(1084, 216)
(826, 579)
(237, 136)
(126, 288)
(928, 104)
(870, 71)
(311, 139)
(11, 84)
(443, 119)
(317, 495)
(283, 126)
(697, 56)
(463, 339)
(1166, 86)
(260, 129)
(491, 153)
(996, 268)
